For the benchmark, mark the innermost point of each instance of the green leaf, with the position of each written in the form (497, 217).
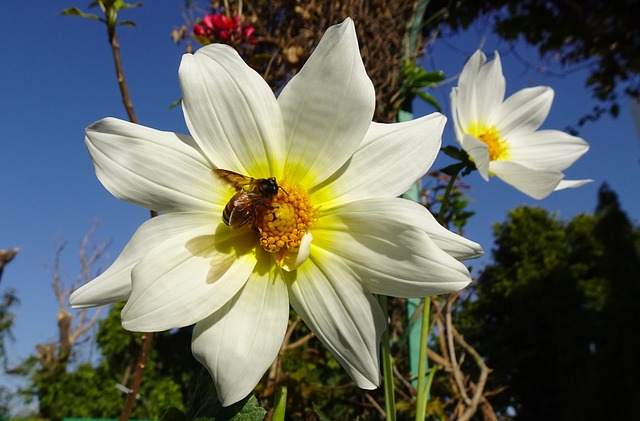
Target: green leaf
(74, 11)
(207, 407)
(127, 23)
(453, 169)
(123, 5)
(429, 99)
(175, 103)
(454, 152)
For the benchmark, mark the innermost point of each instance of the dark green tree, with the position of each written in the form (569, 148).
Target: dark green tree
(554, 313)
(617, 363)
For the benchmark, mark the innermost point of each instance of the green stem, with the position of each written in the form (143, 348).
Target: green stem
(423, 390)
(445, 198)
(424, 383)
(387, 369)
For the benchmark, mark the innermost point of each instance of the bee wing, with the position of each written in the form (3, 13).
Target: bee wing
(233, 179)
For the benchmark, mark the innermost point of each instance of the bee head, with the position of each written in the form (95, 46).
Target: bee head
(269, 187)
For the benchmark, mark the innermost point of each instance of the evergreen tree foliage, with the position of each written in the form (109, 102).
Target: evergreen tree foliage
(555, 314)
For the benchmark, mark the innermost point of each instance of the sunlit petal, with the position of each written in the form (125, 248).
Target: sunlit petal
(293, 260)
(489, 87)
(412, 213)
(572, 184)
(466, 101)
(524, 111)
(391, 256)
(550, 149)
(407, 150)
(114, 284)
(345, 317)
(231, 112)
(239, 342)
(153, 169)
(533, 182)
(327, 107)
(188, 277)
(479, 153)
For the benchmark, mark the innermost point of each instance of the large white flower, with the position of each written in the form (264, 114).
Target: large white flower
(502, 136)
(334, 235)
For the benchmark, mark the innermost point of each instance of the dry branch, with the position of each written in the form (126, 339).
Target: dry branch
(71, 327)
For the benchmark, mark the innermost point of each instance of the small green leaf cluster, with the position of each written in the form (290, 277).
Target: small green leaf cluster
(110, 10)
(416, 80)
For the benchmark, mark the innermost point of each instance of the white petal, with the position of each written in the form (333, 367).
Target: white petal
(231, 112)
(524, 112)
(489, 89)
(293, 260)
(415, 214)
(327, 107)
(479, 153)
(114, 284)
(345, 317)
(189, 276)
(456, 117)
(548, 149)
(471, 68)
(389, 160)
(239, 342)
(479, 93)
(536, 183)
(153, 169)
(571, 184)
(391, 256)
(464, 98)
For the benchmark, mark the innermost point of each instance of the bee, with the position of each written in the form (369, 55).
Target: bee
(251, 195)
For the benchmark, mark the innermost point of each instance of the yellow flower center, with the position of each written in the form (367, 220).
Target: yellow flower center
(286, 218)
(498, 148)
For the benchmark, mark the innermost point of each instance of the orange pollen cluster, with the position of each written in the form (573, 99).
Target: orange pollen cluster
(497, 147)
(286, 218)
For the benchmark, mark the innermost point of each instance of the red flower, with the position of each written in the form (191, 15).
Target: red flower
(217, 27)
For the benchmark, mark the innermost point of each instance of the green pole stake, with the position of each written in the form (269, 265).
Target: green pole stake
(406, 114)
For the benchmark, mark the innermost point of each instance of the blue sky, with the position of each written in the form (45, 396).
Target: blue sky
(57, 77)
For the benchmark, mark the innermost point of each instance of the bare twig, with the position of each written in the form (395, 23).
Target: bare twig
(71, 328)
(457, 373)
(375, 405)
(274, 371)
(147, 339)
(469, 396)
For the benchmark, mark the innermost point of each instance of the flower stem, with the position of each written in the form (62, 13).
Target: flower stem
(124, 89)
(147, 338)
(423, 384)
(445, 198)
(280, 406)
(387, 369)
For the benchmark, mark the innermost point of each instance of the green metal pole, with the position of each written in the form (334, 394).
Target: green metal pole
(405, 114)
